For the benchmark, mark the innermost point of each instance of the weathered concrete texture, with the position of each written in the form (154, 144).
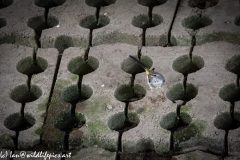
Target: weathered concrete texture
(196, 155)
(92, 153)
(69, 16)
(207, 104)
(222, 27)
(100, 106)
(120, 28)
(52, 137)
(158, 36)
(31, 136)
(155, 104)
(9, 79)
(16, 30)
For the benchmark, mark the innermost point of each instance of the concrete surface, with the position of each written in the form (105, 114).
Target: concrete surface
(74, 35)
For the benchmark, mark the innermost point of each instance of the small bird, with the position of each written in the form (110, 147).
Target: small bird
(155, 79)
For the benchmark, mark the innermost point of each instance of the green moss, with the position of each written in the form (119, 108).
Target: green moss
(201, 125)
(196, 22)
(233, 64)
(63, 42)
(126, 93)
(176, 92)
(130, 66)
(21, 93)
(116, 37)
(186, 107)
(6, 141)
(144, 145)
(186, 134)
(169, 120)
(118, 121)
(142, 21)
(98, 106)
(80, 67)
(98, 127)
(156, 40)
(230, 93)
(16, 123)
(38, 23)
(61, 83)
(39, 130)
(193, 130)
(65, 121)
(224, 121)
(184, 65)
(42, 106)
(74, 77)
(218, 36)
(71, 94)
(141, 110)
(91, 22)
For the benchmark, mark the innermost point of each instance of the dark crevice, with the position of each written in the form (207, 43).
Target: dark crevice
(132, 81)
(144, 37)
(73, 109)
(29, 82)
(193, 43)
(15, 140)
(79, 84)
(185, 84)
(66, 141)
(225, 151)
(171, 24)
(150, 14)
(65, 144)
(171, 147)
(232, 105)
(86, 54)
(51, 92)
(237, 79)
(98, 12)
(90, 39)
(22, 110)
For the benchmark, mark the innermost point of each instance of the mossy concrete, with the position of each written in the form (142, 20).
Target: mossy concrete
(224, 28)
(93, 153)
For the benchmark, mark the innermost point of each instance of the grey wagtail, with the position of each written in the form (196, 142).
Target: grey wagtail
(155, 79)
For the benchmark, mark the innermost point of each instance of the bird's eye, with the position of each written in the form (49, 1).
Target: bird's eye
(154, 75)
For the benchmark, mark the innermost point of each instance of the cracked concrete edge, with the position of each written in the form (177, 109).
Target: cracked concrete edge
(38, 108)
(10, 78)
(102, 98)
(155, 104)
(221, 29)
(16, 29)
(72, 12)
(200, 79)
(158, 35)
(120, 28)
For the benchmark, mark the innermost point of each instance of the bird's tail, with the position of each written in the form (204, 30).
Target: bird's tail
(141, 64)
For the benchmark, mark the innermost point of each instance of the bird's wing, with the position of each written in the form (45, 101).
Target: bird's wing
(141, 64)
